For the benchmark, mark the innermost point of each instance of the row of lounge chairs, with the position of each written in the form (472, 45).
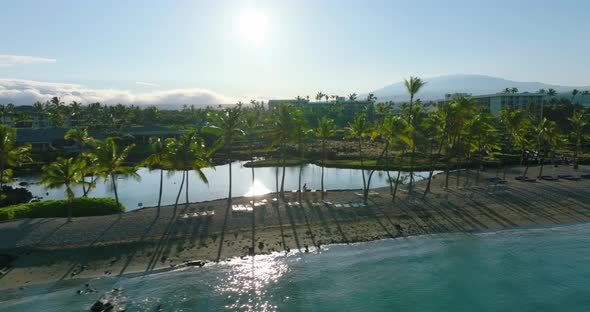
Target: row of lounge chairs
(198, 214)
(345, 204)
(568, 177)
(249, 207)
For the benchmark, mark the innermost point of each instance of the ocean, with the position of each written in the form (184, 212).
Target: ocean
(529, 269)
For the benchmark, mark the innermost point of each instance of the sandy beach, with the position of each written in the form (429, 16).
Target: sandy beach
(51, 250)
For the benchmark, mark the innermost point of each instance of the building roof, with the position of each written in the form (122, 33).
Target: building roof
(508, 94)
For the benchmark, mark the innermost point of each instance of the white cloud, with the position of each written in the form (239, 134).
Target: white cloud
(11, 60)
(147, 84)
(26, 92)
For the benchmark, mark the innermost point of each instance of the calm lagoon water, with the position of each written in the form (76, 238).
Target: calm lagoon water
(145, 191)
(536, 269)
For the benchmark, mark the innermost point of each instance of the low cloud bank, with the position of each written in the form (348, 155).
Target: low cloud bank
(26, 92)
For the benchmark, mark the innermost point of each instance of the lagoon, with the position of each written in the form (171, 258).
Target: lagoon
(140, 193)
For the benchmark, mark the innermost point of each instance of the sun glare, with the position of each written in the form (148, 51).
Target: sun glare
(253, 26)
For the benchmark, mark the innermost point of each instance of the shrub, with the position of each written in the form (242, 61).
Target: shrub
(81, 207)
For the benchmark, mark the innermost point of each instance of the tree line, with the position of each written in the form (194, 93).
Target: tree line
(457, 133)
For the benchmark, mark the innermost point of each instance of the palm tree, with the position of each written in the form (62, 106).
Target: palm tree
(358, 130)
(319, 96)
(252, 121)
(484, 139)
(396, 131)
(159, 158)
(67, 172)
(574, 93)
(280, 130)
(547, 137)
(81, 137)
(188, 153)
(324, 131)
(584, 94)
(578, 133)
(551, 92)
(11, 154)
(506, 90)
(352, 97)
(514, 90)
(413, 86)
(301, 132)
(227, 125)
(110, 160)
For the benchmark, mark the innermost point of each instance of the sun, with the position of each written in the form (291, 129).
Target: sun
(253, 26)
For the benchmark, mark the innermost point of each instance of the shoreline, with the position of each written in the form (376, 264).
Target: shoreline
(52, 251)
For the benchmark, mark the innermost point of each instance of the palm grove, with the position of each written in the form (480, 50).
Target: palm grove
(447, 135)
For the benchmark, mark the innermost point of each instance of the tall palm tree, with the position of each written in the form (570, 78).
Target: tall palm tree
(507, 90)
(111, 162)
(11, 154)
(413, 86)
(80, 137)
(66, 172)
(358, 130)
(226, 124)
(579, 132)
(484, 137)
(158, 159)
(352, 97)
(514, 90)
(301, 132)
(574, 93)
(551, 92)
(396, 131)
(252, 122)
(280, 130)
(319, 96)
(547, 138)
(188, 153)
(324, 131)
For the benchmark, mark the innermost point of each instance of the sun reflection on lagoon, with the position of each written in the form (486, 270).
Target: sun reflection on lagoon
(257, 188)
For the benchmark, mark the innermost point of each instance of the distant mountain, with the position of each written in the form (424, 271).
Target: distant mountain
(437, 87)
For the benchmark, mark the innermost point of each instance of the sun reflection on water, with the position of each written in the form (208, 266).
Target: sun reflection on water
(257, 188)
(247, 282)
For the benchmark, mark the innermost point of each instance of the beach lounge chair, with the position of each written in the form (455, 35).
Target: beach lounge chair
(568, 177)
(358, 194)
(585, 176)
(346, 205)
(548, 178)
(210, 213)
(338, 205)
(524, 179)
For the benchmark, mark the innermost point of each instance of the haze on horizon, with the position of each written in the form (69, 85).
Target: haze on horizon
(153, 52)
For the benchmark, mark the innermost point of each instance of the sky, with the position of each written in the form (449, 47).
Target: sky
(152, 51)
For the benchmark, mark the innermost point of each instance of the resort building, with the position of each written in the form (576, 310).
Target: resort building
(495, 102)
(341, 110)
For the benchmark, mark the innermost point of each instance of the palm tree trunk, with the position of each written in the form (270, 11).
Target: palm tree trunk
(387, 169)
(427, 189)
(179, 190)
(160, 193)
(283, 177)
(1, 176)
(186, 189)
(230, 176)
(362, 167)
(70, 210)
(323, 162)
(83, 185)
(575, 156)
(396, 185)
(113, 178)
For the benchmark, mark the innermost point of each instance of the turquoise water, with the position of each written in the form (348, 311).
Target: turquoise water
(538, 269)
